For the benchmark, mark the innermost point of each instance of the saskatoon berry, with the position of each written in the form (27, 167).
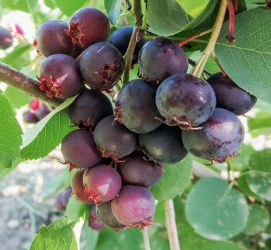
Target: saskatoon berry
(163, 144)
(121, 38)
(66, 195)
(106, 216)
(185, 100)
(136, 108)
(51, 38)
(102, 183)
(79, 149)
(42, 111)
(88, 26)
(60, 76)
(93, 220)
(220, 136)
(59, 205)
(78, 188)
(229, 95)
(101, 65)
(161, 58)
(30, 117)
(134, 206)
(136, 170)
(89, 108)
(113, 139)
(6, 39)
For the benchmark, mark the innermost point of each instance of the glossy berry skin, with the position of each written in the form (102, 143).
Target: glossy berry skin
(89, 108)
(121, 38)
(137, 170)
(136, 108)
(230, 96)
(6, 39)
(134, 206)
(78, 188)
(93, 220)
(102, 183)
(113, 139)
(101, 65)
(88, 26)
(106, 216)
(60, 76)
(160, 58)
(51, 38)
(163, 144)
(185, 100)
(79, 149)
(220, 137)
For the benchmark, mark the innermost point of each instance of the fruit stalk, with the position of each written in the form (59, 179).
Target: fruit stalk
(24, 83)
(132, 44)
(212, 41)
(146, 238)
(171, 226)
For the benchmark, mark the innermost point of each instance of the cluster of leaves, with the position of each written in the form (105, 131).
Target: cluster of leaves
(211, 213)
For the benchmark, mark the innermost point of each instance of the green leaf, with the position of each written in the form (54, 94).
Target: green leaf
(247, 60)
(215, 210)
(68, 7)
(44, 136)
(259, 176)
(90, 237)
(16, 97)
(19, 52)
(113, 8)
(192, 7)
(175, 179)
(189, 239)
(258, 219)
(244, 188)
(166, 18)
(124, 239)
(76, 209)
(23, 5)
(61, 234)
(10, 135)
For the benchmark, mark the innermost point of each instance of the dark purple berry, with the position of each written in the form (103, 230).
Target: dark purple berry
(52, 38)
(121, 38)
(163, 144)
(102, 183)
(136, 108)
(42, 111)
(6, 39)
(59, 205)
(78, 188)
(29, 116)
(220, 137)
(88, 26)
(106, 216)
(101, 65)
(89, 108)
(137, 170)
(230, 96)
(60, 76)
(134, 206)
(185, 100)
(93, 220)
(114, 139)
(66, 194)
(160, 58)
(79, 149)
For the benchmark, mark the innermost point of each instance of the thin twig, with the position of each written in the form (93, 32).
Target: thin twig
(26, 84)
(146, 238)
(171, 226)
(212, 41)
(132, 44)
(183, 42)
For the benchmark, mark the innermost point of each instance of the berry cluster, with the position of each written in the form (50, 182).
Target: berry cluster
(37, 111)
(120, 147)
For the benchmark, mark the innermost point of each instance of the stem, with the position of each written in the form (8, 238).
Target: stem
(218, 64)
(24, 83)
(214, 36)
(171, 226)
(146, 239)
(131, 48)
(230, 36)
(194, 37)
